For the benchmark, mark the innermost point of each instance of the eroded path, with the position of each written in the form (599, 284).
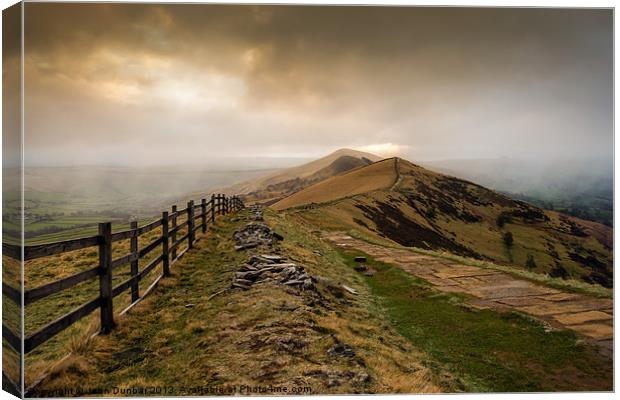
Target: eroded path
(399, 178)
(588, 316)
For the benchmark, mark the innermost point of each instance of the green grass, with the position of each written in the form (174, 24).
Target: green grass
(486, 350)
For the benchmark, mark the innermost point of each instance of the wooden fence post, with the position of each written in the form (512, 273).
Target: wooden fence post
(226, 210)
(135, 288)
(212, 208)
(165, 243)
(203, 209)
(173, 236)
(105, 277)
(190, 224)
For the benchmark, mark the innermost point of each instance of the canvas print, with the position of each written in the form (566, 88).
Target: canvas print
(213, 199)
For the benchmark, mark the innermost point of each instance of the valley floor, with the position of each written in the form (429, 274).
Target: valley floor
(390, 333)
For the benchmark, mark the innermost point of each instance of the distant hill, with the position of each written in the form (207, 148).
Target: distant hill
(413, 206)
(282, 183)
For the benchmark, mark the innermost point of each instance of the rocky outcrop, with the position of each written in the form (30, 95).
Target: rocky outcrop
(262, 268)
(271, 268)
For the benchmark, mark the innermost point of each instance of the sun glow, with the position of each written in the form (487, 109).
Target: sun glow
(384, 149)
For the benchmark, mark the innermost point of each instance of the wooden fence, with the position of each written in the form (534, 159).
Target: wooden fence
(171, 250)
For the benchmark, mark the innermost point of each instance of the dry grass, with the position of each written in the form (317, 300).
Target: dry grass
(380, 175)
(44, 270)
(270, 335)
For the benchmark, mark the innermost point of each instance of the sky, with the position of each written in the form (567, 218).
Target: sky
(173, 84)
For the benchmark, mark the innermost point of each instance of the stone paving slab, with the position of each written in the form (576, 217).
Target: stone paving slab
(492, 289)
(496, 278)
(457, 272)
(440, 282)
(563, 297)
(407, 259)
(595, 331)
(582, 317)
(516, 289)
(471, 281)
(519, 301)
(551, 308)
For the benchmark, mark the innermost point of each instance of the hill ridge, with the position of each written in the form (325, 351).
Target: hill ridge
(277, 185)
(416, 207)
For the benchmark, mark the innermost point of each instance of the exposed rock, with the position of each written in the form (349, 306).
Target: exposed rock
(341, 350)
(349, 289)
(245, 246)
(267, 267)
(255, 234)
(271, 257)
(360, 259)
(240, 286)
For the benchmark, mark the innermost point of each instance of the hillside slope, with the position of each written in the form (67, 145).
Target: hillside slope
(351, 331)
(380, 175)
(283, 183)
(433, 211)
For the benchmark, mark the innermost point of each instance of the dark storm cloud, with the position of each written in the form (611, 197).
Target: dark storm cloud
(434, 82)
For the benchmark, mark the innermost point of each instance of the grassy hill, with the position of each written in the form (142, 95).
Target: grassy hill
(280, 184)
(380, 175)
(582, 187)
(412, 206)
(400, 335)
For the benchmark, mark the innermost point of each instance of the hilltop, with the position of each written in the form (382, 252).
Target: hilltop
(277, 185)
(409, 205)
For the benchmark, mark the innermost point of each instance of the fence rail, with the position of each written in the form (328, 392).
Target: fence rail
(170, 252)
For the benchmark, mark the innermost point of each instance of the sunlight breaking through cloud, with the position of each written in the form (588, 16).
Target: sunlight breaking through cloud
(384, 149)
